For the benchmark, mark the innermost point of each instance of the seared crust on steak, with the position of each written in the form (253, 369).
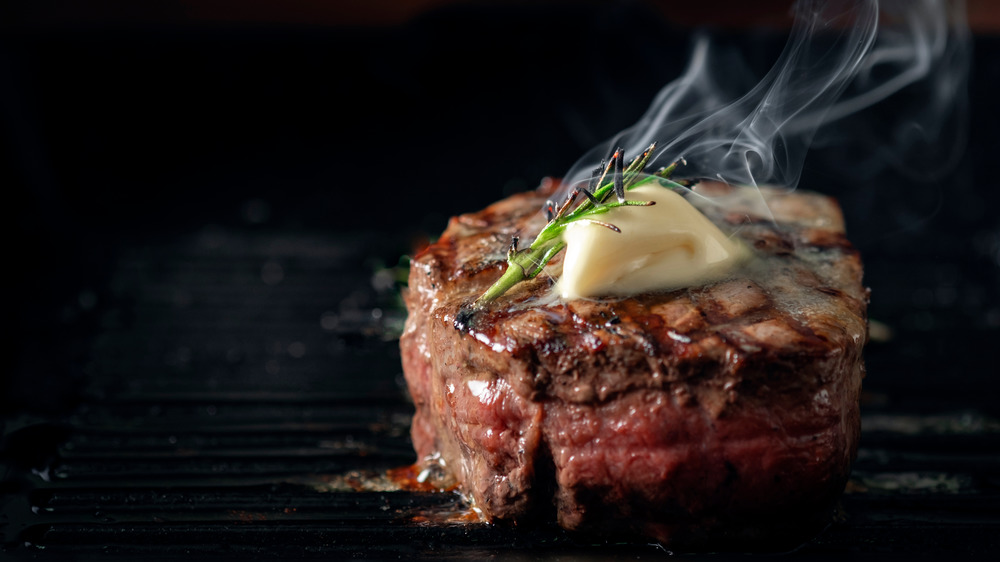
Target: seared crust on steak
(726, 412)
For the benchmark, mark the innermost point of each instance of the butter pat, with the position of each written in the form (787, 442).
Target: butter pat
(668, 245)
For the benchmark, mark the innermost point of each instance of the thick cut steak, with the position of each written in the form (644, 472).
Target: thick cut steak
(724, 414)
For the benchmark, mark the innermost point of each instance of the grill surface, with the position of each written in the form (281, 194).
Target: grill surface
(233, 410)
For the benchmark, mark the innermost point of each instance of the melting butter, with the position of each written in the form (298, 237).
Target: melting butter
(665, 246)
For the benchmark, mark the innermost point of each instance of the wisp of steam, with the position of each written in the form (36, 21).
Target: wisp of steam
(841, 57)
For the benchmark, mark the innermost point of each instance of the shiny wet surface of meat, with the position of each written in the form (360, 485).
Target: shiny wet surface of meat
(722, 416)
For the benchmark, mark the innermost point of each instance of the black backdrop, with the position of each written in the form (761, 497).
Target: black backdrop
(119, 131)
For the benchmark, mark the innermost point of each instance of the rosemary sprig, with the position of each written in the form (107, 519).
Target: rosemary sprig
(529, 262)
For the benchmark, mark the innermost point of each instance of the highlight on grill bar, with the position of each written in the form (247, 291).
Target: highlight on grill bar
(206, 308)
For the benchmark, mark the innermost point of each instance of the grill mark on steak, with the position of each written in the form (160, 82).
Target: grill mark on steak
(723, 412)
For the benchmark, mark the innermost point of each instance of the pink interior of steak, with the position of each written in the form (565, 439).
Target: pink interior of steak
(725, 411)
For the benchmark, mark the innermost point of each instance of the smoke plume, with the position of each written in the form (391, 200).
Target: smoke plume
(841, 58)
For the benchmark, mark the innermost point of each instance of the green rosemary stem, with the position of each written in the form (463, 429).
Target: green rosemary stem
(522, 265)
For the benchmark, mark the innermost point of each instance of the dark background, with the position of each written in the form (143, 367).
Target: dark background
(120, 125)
(126, 129)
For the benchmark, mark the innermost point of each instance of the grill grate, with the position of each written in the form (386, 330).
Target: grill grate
(245, 398)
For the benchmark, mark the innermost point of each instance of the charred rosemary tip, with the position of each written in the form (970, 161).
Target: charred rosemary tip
(613, 176)
(619, 180)
(464, 317)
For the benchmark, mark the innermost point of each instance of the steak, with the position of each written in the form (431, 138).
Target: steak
(720, 416)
